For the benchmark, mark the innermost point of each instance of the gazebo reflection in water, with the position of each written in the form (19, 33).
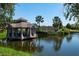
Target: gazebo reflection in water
(25, 45)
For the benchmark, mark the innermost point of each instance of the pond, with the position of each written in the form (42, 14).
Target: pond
(49, 46)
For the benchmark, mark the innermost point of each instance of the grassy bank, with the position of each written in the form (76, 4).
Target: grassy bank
(11, 52)
(3, 34)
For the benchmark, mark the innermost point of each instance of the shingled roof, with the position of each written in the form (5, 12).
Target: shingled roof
(21, 24)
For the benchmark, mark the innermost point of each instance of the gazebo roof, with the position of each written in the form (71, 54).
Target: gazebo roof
(21, 25)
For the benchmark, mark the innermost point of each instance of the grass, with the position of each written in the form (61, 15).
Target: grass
(74, 30)
(11, 52)
(3, 34)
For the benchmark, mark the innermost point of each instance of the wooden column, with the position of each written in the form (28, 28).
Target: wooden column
(30, 32)
(12, 31)
(22, 37)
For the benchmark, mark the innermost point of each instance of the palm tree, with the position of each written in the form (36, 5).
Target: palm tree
(39, 19)
(71, 11)
(57, 24)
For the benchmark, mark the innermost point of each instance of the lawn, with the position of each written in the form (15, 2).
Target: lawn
(3, 34)
(11, 52)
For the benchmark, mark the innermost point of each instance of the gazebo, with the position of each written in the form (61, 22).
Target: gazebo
(21, 29)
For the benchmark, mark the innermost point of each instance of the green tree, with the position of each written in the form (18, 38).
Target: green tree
(71, 11)
(57, 23)
(68, 26)
(6, 12)
(39, 19)
(35, 25)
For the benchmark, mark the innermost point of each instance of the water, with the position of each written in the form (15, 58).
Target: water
(49, 46)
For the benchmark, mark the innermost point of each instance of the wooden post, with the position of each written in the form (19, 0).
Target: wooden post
(22, 37)
(30, 32)
(12, 32)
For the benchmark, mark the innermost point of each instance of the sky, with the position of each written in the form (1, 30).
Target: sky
(48, 11)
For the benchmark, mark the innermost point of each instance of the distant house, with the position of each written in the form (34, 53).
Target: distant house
(21, 29)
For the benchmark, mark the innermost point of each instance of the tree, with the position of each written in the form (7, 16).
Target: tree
(35, 25)
(39, 19)
(57, 24)
(71, 11)
(68, 26)
(7, 9)
(6, 12)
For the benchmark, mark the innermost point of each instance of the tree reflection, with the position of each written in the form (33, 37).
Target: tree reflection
(69, 37)
(39, 46)
(57, 43)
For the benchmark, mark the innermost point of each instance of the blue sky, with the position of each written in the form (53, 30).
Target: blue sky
(48, 10)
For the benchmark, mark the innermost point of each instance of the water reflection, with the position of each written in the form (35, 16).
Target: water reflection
(69, 37)
(26, 46)
(34, 45)
(55, 45)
